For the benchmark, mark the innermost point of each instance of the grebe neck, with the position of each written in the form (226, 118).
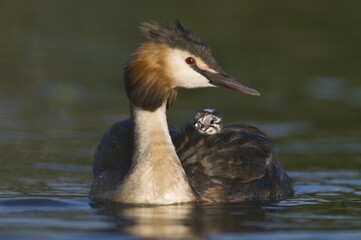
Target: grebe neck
(156, 175)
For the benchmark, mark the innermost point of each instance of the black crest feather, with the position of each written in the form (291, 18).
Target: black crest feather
(178, 37)
(145, 81)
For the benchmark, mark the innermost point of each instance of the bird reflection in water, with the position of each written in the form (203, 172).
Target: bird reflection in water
(193, 220)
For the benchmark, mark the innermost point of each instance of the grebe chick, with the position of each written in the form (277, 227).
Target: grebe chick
(207, 121)
(139, 161)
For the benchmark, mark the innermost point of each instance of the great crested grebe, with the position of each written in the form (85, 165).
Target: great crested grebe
(140, 161)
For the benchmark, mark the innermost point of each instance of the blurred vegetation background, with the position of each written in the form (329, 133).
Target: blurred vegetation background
(61, 73)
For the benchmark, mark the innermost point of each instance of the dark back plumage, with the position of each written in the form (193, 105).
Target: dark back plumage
(237, 164)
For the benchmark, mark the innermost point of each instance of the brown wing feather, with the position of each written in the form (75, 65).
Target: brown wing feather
(236, 164)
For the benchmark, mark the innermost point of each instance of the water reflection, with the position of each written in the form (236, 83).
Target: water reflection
(61, 88)
(183, 221)
(324, 201)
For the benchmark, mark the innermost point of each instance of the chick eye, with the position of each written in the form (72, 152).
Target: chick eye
(190, 60)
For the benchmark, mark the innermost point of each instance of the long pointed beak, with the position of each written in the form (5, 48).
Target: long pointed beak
(223, 80)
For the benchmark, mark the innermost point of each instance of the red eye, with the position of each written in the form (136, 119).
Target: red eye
(190, 60)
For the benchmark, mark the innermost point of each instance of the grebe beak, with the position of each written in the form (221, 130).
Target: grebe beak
(224, 80)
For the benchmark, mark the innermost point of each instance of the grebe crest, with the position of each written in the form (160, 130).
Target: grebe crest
(170, 58)
(207, 121)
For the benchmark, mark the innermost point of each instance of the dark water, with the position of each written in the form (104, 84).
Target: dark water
(61, 88)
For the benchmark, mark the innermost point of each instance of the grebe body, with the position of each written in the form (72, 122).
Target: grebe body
(139, 160)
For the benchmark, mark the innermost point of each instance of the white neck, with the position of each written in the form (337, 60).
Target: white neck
(156, 176)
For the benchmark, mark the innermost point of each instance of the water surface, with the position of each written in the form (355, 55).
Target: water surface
(61, 88)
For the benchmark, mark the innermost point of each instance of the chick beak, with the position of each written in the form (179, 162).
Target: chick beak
(224, 80)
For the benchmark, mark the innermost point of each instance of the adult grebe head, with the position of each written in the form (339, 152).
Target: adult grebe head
(170, 58)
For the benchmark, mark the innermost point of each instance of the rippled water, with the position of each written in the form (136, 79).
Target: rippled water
(61, 88)
(326, 206)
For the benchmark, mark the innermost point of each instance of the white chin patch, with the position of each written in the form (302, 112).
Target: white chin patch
(183, 74)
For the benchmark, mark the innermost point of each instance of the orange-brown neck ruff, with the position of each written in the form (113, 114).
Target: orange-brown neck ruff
(146, 82)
